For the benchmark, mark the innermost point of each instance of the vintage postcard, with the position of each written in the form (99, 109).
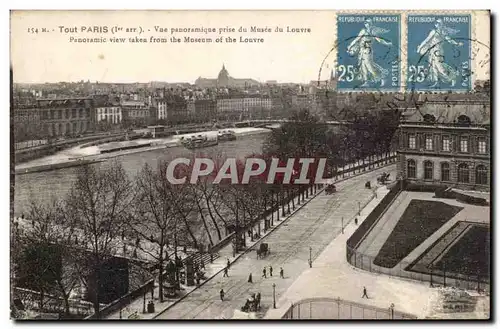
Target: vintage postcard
(266, 165)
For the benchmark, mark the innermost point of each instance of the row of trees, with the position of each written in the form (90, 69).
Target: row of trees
(105, 207)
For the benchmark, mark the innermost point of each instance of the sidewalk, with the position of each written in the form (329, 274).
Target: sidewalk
(332, 277)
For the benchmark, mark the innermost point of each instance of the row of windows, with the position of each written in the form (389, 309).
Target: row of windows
(446, 144)
(111, 110)
(66, 114)
(462, 170)
(68, 128)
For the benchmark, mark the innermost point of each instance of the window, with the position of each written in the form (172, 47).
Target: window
(463, 120)
(428, 143)
(464, 144)
(429, 118)
(412, 169)
(428, 170)
(446, 143)
(481, 145)
(481, 175)
(412, 142)
(445, 172)
(463, 173)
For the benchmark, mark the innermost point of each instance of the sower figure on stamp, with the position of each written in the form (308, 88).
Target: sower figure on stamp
(361, 46)
(432, 47)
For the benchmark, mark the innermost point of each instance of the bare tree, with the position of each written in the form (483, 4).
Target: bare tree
(154, 217)
(98, 203)
(46, 235)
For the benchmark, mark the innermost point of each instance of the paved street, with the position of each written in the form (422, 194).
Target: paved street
(315, 226)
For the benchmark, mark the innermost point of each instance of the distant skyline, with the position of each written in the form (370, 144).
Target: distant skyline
(284, 57)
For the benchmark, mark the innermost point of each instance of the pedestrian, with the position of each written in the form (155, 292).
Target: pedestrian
(282, 273)
(250, 278)
(228, 263)
(225, 273)
(364, 293)
(270, 270)
(222, 294)
(264, 273)
(257, 299)
(356, 220)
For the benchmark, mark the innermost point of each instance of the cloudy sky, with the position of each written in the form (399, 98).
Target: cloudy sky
(286, 57)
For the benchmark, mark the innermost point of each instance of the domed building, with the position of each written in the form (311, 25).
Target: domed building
(225, 80)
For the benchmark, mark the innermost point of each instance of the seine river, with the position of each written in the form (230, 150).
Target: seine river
(54, 185)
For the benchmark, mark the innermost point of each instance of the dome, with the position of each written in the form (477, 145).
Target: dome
(223, 77)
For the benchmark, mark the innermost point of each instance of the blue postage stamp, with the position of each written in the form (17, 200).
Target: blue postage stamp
(439, 53)
(368, 54)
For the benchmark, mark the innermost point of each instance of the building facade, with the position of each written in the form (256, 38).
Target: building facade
(110, 113)
(241, 107)
(446, 143)
(135, 113)
(205, 110)
(67, 117)
(161, 110)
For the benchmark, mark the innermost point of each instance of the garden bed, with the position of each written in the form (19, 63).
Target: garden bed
(419, 221)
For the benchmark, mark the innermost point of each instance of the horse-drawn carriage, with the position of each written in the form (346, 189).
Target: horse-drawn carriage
(330, 189)
(252, 304)
(383, 178)
(263, 250)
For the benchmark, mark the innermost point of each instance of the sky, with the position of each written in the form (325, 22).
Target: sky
(285, 57)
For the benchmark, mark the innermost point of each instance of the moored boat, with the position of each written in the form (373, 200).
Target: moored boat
(199, 141)
(226, 135)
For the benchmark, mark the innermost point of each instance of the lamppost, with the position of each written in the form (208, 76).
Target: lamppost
(310, 257)
(342, 223)
(274, 295)
(392, 311)
(144, 302)
(359, 208)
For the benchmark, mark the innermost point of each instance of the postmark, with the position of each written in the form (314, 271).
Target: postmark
(439, 52)
(368, 52)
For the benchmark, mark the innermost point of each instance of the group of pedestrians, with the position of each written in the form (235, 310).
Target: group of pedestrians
(264, 272)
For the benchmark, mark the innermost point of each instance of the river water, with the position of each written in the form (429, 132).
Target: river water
(54, 185)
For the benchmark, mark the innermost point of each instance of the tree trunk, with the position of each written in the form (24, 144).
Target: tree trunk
(188, 228)
(293, 200)
(278, 206)
(272, 208)
(160, 275)
(282, 199)
(218, 214)
(213, 220)
(204, 223)
(288, 199)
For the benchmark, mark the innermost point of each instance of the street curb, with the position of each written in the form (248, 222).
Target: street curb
(263, 237)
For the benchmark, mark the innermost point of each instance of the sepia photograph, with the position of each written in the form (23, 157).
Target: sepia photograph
(250, 165)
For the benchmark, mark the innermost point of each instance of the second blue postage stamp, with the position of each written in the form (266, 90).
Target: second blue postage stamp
(368, 52)
(439, 53)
